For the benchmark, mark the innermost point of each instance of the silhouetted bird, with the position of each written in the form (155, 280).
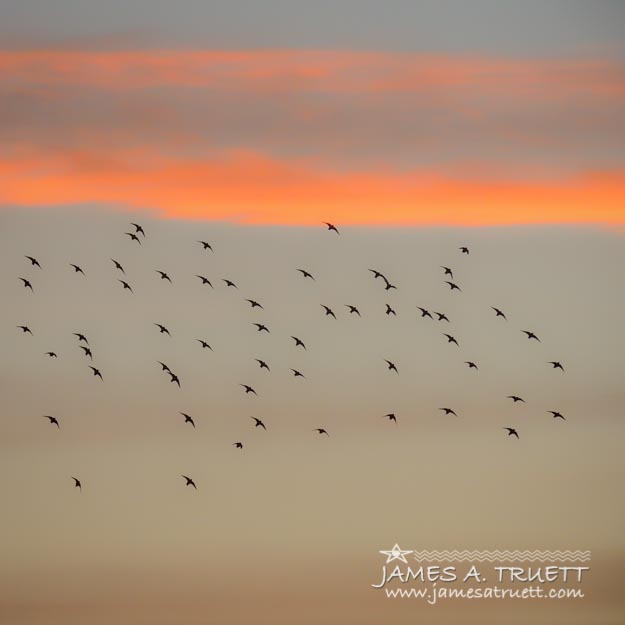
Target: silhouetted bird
(258, 423)
(27, 284)
(530, 335)
(331, 227)
(253, 303)
(174, 379)
(353, 309)
(229, 283)
(448, 271)
(329, 311)
(425, 313)
(390, 311)
(388, 286)
(53, 420)
(205, 280)
(25, 329)
(556, 365)
(556, 414)
(204, 344)
(118, 266)
(96, 372)
(51, 354)
(33, 261)
(138, 228)
(515, 398)
(238, 445)
(126, 285)
(163, 275)
(306, 274)
(512, 432)
(162, 329)
(321, 431)
(377, 274)
(451, 339)
(472, 365)
(260, 327)
(206, 246)
(81, 337)
(77, 483)
(77, 269)
(453, 285)
(498, 313)
(164, 367)
(87, 351)
(391, 366)
(298, 342)
(464, 250)
(298, 374)
(189, 481)
(391, 417)
(248, 389)
(262, 363)
(441, 316)
(133, 237)
(448, 411)
(188, 419)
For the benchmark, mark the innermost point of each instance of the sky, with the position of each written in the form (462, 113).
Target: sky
(416, 128)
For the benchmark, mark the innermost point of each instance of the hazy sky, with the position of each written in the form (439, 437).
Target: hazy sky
(416, 128)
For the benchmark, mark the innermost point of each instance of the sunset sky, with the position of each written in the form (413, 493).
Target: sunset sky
(417, 128)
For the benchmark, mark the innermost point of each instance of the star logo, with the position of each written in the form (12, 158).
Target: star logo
(396, 553)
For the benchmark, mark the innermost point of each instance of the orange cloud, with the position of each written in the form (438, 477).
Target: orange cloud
(250, 188)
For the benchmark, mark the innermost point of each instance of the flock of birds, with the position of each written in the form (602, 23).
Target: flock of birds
(139, 234)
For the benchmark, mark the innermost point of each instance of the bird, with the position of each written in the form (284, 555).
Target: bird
(138, 228)
(471, 364)
(53, 420)
(206, 246)
(118, 266)
(253, 303)
(453, 285)
(498, 313)
(451, 339)
(298, 342)
(556, 364)
(174, 379)
(306, 274)
(27, 284)
(87, 351)
(353, 310)
(164, 367)
(205, 280)
(329, 311)
(464, 250)
(426, 313)
(298, 374)
(515, 398)
(556, 414)
(512, 432)
(321, 431)
(258, 423)
(81, 337)
(390, 311)
(238, 445)
(377, 274)
(391, 417)
(51, 354)
(204, 344)
(260, 327)
(388, 286)
(133, 237)
(448, 271)
(25, 329)
(530, 335)
(96, 372)
(33, 261)
(77, 483)
(331, 227)
(262, 363)
(248, 389)
(391, 366)
(448, 411)
(163, 275)
(229, 283)
(441, 316)
(126, 285)
(77, 269)
(189, 481)
(162, 329)
(188, 419)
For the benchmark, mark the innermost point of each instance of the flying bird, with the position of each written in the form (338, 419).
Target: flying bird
(96, 372)
(512, 432)
(353, 310)
(238, 445)
(258, 423)
(164, 367)
(390, 311)
(138, 228)
(298, 374)
(331, 227)
(81, 337)
(472, 365)
(33, 261)
(53, 420)
(87, 351)
(204, 344)
(189, 481)
(451, 339)
(391, 417)
(441, 316)
(556, 365)
(77, 269)
(498, 313)
(306, 274)
(205, 280)
(253, 303)
(188, 419)
(388, 286)
(51, 354)
(426, 313)
(464, 250)
(530, 335)
(448, 411)
(329, 311)
(248, 389)
(162, 329)
(163, 275)
(453, 285)
(229, 283)
(174, 379)
(118, 266)
(206, 246)
(515, 398)
(377, 274)
(133, 237)
(391, 366)
(298, 342)
(260, 327)
(126, 285)
(25, 329)
(556, 414)
(448, 271)
(321, 431)
(27, 284)
(77, 483)
(262, 363)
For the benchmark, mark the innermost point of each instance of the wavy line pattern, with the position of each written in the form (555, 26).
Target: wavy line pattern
(502, 556)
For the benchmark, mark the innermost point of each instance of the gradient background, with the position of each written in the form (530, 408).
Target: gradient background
(416, 127)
